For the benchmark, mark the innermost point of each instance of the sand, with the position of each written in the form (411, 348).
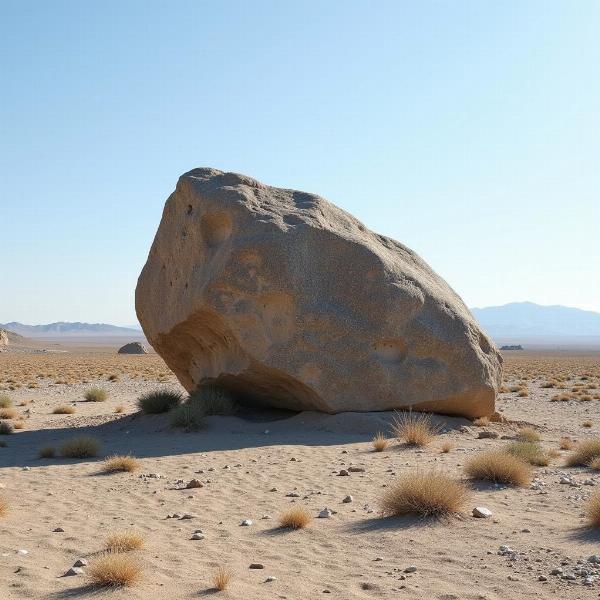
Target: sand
(249, 465)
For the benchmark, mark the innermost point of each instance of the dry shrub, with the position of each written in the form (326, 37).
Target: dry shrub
(523, 393)
(481, 422)
(584, 453)
(95, 394)
(499, 467)
(528, 434)
(19, 424)
(587, 424)
(416, 429)
(47, 452)
(425, 493)
(380, 442)
(593, 510)
(6, 428)
(446, 446)
(595, 463)
(530, 452)
(7, 413)
(124, 541)
(114, 570)
(159, 401)
(3, 506)
(222, 578)
(566, 443)
(119, 409)
(5, 401)
(64, 410)
(295, 518)
(114, 377)
(123, 463)
(83, 446)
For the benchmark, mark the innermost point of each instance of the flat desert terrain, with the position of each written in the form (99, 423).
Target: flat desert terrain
(254, 467)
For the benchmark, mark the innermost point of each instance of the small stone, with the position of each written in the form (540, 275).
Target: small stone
(356, 469)
(542, 578)
(481, 512)
(246, 523)
(292, 495)
(270, 578)
(197, 536)
(58, 530)
(347, 499)
(187, 516)
(26, 469)
(325, 514)
(343, 473)
(194, 483)
(256, 566)
(80, 562)
(74, 571)
(486, 434)
(411, 569)
(23, 552)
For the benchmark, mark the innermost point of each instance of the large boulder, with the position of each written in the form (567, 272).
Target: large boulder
(288, 301)
(133, 348)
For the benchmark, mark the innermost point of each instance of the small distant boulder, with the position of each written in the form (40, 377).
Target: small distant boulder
(513, 347)
(133, 348)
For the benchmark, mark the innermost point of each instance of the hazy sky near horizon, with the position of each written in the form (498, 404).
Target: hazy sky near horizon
(470, 131)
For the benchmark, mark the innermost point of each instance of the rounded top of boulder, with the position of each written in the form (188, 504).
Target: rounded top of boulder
(287, 300)
(133, 348)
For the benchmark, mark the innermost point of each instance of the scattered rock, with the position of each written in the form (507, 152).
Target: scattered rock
(486, 434)
(256, 566)
(411, 569)
(194, 483)
(246, 523)
(347, 499)
(80, 562)
(325, 514)
(74, 571)
(481, 512)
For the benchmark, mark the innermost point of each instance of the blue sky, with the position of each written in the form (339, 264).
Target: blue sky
(470, 131)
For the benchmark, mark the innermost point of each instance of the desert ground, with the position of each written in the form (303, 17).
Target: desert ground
(255, 466)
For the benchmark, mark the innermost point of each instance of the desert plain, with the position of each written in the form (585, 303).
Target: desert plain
(253, 466)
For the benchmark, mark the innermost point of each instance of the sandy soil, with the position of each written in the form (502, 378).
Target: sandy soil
(249, 466)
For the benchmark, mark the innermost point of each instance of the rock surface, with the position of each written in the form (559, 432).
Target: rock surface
(133, 348)
(288, 301)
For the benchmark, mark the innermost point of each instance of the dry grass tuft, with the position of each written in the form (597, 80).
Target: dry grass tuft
(499, 467)
(124, 463)
(47, 452)
(95, 394)
(119, 409)
(159, 401)
(19, 424)
(415, 429)
(8, 413)
(5, 401)
(83, 446)
(481, 422)
(593, 510)
(424, 493)
(380, 442)
(530, 452)
(295, 518)
(566, 443)
(587, 424)
(584, 453)
(115, 570)
(124, 541)
(528, 434)
(3, 506)
(446, 446)
(64, 410)
(595, 464)
(222, 578)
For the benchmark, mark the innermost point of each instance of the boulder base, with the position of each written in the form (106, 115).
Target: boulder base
(288, 301)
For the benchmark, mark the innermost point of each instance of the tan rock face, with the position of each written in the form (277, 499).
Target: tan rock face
(289, 301)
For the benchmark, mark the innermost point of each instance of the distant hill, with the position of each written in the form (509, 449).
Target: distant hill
(66, 329)
(524, 322)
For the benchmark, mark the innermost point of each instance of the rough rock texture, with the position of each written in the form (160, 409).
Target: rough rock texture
(133, 348)
(289, 301)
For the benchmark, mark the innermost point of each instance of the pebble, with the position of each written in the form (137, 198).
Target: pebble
(194, 483)
(23, 552)
(256, 566)
(325, 514)
(74, 571)
(481, 512)
(343, 473)
(411, 569)
(492, 435)
(246, 523)
(186, 516)
(270, 578)
(58, 530)
(26, 469)
(197, 536)
(347, 499)
(542, 578)
(356, 469)
(80, 562)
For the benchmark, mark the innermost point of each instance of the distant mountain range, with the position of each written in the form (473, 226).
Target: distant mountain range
(522, 320)
(66, 329)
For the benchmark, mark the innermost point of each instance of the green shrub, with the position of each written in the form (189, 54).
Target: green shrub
(83, 446)
(95, 394)
(159, 401)
(529, 452)
(207, 400)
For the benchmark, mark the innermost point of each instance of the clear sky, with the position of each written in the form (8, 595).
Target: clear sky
(470, 131)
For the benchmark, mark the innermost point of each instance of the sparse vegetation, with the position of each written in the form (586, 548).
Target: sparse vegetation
(295, 518)
(119, 409)
(20, 424)
(124, 541)
(428, 494)
(116, 464)
(115, 570)
(566, 443)
(587, 424)
(5, 401)
(446, 446)
(159, 401)
(595, 463)
(528, 434)
(499, 467)
(530, 452)
(6, 428)
(380, 442)
(95, 394)
(584, 453)
(222, 578)
(83, 446)
(47, 452)
(415, 429)
(7, 413)
(63, 409)
(208, 400)
(593, 510)
(481, 422)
